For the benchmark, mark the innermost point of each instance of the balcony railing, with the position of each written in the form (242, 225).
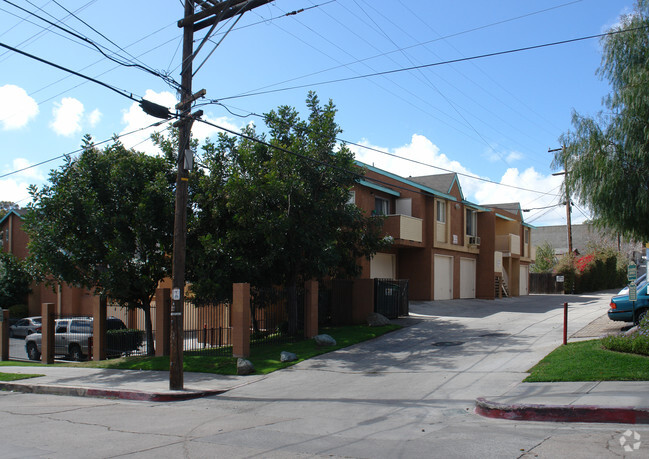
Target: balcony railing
(509, 244)
(404, 228)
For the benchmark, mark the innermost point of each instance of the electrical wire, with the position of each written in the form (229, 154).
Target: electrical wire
(435, 64)
(114, 137)
(166, 78)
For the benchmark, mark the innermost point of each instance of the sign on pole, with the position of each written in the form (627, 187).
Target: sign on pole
(632, 272)
(633, 293)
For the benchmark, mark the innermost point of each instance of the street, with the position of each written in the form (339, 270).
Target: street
(410, 393)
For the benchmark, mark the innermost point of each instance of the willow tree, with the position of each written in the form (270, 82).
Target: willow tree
(607, 157)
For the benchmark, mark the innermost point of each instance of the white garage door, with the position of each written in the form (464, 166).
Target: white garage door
(467, 277)
(443, 278)
(525, 275)
(383, 266)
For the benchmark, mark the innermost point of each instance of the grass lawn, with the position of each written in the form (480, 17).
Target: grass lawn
(15, 376)
(265, 358)
(589, 361)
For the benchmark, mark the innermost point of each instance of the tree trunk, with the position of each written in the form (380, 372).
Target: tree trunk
(150, 347)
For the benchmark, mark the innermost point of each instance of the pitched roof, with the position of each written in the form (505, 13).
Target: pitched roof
(439, 182)
(18, 212)
(511, 207)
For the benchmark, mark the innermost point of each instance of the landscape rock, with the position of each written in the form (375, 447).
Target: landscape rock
(286, 356)
(245, 367)
(631, 331)
(377, 320)
(324, 340)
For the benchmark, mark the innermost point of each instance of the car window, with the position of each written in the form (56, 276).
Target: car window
(22, 323)
(61, 327)
(81, 326)
(36, 320)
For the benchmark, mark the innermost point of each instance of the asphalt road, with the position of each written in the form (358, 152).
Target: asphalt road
(407, 394)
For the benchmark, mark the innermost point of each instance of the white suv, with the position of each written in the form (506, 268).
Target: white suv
(70, 337)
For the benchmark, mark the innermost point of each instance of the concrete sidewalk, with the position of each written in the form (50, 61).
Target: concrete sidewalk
(123, 384)
(609, 401)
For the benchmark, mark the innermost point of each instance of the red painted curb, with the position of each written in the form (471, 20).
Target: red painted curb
(108, 393)
(562, 413)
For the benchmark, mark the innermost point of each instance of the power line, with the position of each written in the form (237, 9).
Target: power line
(166, 78)
(114, 137)
(435, 64)
(121, 92)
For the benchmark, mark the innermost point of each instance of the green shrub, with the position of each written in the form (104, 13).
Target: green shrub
(123, 341)
(636, 343)
(18, 311)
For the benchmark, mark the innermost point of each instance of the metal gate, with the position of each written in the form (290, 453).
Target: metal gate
(391, 297)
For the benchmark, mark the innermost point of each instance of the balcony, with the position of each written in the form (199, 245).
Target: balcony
(406, 231)
(509, 245)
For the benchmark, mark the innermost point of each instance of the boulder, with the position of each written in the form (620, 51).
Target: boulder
(324, 340)
(245, 367)
(377, 320)
(286, 356)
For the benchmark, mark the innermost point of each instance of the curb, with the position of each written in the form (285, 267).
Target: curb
(109, 393)
(562, 413)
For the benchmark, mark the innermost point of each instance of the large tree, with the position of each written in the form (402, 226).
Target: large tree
(278, 207)
(15, 280)
(607, 157)
(105, 222)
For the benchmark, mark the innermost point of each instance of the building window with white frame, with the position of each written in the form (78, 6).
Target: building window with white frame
(441, 211)
(471, 222)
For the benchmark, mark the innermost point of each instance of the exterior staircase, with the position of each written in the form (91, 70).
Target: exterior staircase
(501, 289)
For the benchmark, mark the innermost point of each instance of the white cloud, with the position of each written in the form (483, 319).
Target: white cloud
(67, 116)
(134, 118)
(523, 186)
(14, 187)
(16, 107)
(94, 117)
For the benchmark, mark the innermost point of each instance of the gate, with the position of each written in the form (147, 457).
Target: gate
(391, 297)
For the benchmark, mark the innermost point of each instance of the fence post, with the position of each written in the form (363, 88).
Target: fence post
(241, 320)
(310, 308)
(162, 321)
(98, 351)
(363, 300)
(4, 334)
(47, 333)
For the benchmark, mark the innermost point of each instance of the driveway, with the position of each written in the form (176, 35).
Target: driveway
(409, 393)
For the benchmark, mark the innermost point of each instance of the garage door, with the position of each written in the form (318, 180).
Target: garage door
(383, 266)
(443, 289)
(467, 278)
(525, 275)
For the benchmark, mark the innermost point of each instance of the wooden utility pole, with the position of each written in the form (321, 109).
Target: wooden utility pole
(176, 376)
(212, 12)
(568, 204)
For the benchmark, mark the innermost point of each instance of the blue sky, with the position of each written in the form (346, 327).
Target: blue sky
(492, 117)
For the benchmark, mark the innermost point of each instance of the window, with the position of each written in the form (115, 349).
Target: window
(527, 235)
(352, 197)
(441, 211)
(471, 222)
(381, 206)
(61, 327)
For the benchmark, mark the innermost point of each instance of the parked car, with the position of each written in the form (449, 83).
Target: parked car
(638, 281)
(24, 327)
(70, 337)
(622, 309)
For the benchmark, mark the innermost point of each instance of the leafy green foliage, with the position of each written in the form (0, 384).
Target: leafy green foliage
(15, 280)
(545, 259)
(607, 157)
(276, 212)
(636, 343)
(601, 270)
(105, 222)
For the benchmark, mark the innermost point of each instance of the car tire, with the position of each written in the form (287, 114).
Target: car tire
(32, 352)
(75, 353)
(639, 316)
